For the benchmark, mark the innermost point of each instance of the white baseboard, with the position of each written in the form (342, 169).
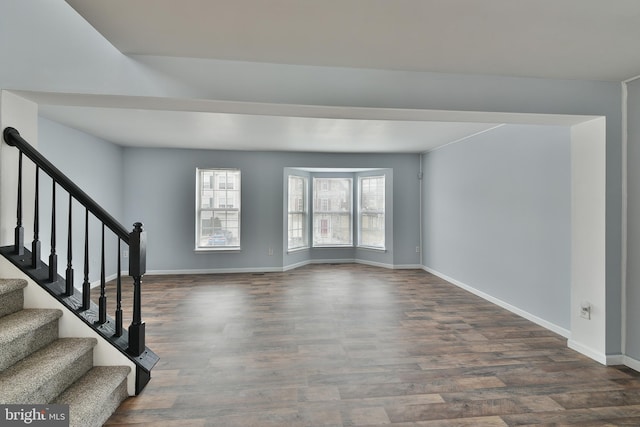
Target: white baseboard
(407, 267)
(374, 264)
(587, 351)
(108, 278)
(333, 261)
(535, 319)
(281, 269)
(631, 363)
(217, 271)
(356, 261)
(621, 359)
(296, 265)
(615, 359)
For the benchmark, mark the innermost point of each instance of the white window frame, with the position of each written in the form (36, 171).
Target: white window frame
(318, 202)
(301, 209)
(201, 187)
(361, 212)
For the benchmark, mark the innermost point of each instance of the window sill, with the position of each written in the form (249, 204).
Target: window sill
(293, 251)
(371, 248)
(216, 250)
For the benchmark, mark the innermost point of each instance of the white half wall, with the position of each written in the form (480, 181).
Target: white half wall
(588, 238)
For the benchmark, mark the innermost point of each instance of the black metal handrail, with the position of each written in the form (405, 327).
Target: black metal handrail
(131, 341)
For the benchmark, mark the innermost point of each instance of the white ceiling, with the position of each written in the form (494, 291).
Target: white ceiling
(585, 39)
(223, 131)
(227, 125)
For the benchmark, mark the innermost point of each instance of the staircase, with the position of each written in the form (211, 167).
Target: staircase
(37, 367)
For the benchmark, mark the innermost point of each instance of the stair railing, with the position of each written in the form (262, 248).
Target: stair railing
(131, 341)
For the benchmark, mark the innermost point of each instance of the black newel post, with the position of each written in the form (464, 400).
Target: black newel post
(137, 268)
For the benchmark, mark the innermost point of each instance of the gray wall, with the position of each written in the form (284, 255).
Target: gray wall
(497, 216)
(52, 48)
(95, 166)
(633, 222)
(63, 53)
(160, 192)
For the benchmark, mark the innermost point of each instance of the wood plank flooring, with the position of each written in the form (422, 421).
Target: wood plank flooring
(354, 345)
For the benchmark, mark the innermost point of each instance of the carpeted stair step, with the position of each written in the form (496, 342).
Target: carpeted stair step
(42, 376)
(94, 397)
(26, 331)
(11, 295)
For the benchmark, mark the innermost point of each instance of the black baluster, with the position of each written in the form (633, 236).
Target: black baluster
(102, 301)
(86, 286)
(35, 245)
(137, 268)
(53, 257)
(69, 273)
(19, 231)
(119, 294)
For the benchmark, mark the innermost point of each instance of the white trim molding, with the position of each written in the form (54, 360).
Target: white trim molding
(535, 319)
(621, 359)
(333, 261)
(375, 264)
(107, 279)
(408, 267)
(293, 266)
(615, 359)
(216, 271)
(624, 219)
(587, 351)
(631, 363)
(287, 267)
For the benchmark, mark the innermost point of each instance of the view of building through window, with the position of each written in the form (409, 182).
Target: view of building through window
(332, 217)
(297, 212)
(218, 208)
(332, 212)
(371, 212)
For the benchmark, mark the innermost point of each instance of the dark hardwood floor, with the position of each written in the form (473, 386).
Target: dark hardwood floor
(354, 345)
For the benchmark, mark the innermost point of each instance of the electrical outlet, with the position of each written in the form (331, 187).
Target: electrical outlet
(417, 249)
(585, 310)
(270, 251)
(125, 254)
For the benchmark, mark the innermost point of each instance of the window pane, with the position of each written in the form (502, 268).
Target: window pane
(218, 216)
(332, 229)
(371, 212)
(297, 216)
(296, 193)
(332, 224)
(372, 230)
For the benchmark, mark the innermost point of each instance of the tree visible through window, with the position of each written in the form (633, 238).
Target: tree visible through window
(218, 209)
